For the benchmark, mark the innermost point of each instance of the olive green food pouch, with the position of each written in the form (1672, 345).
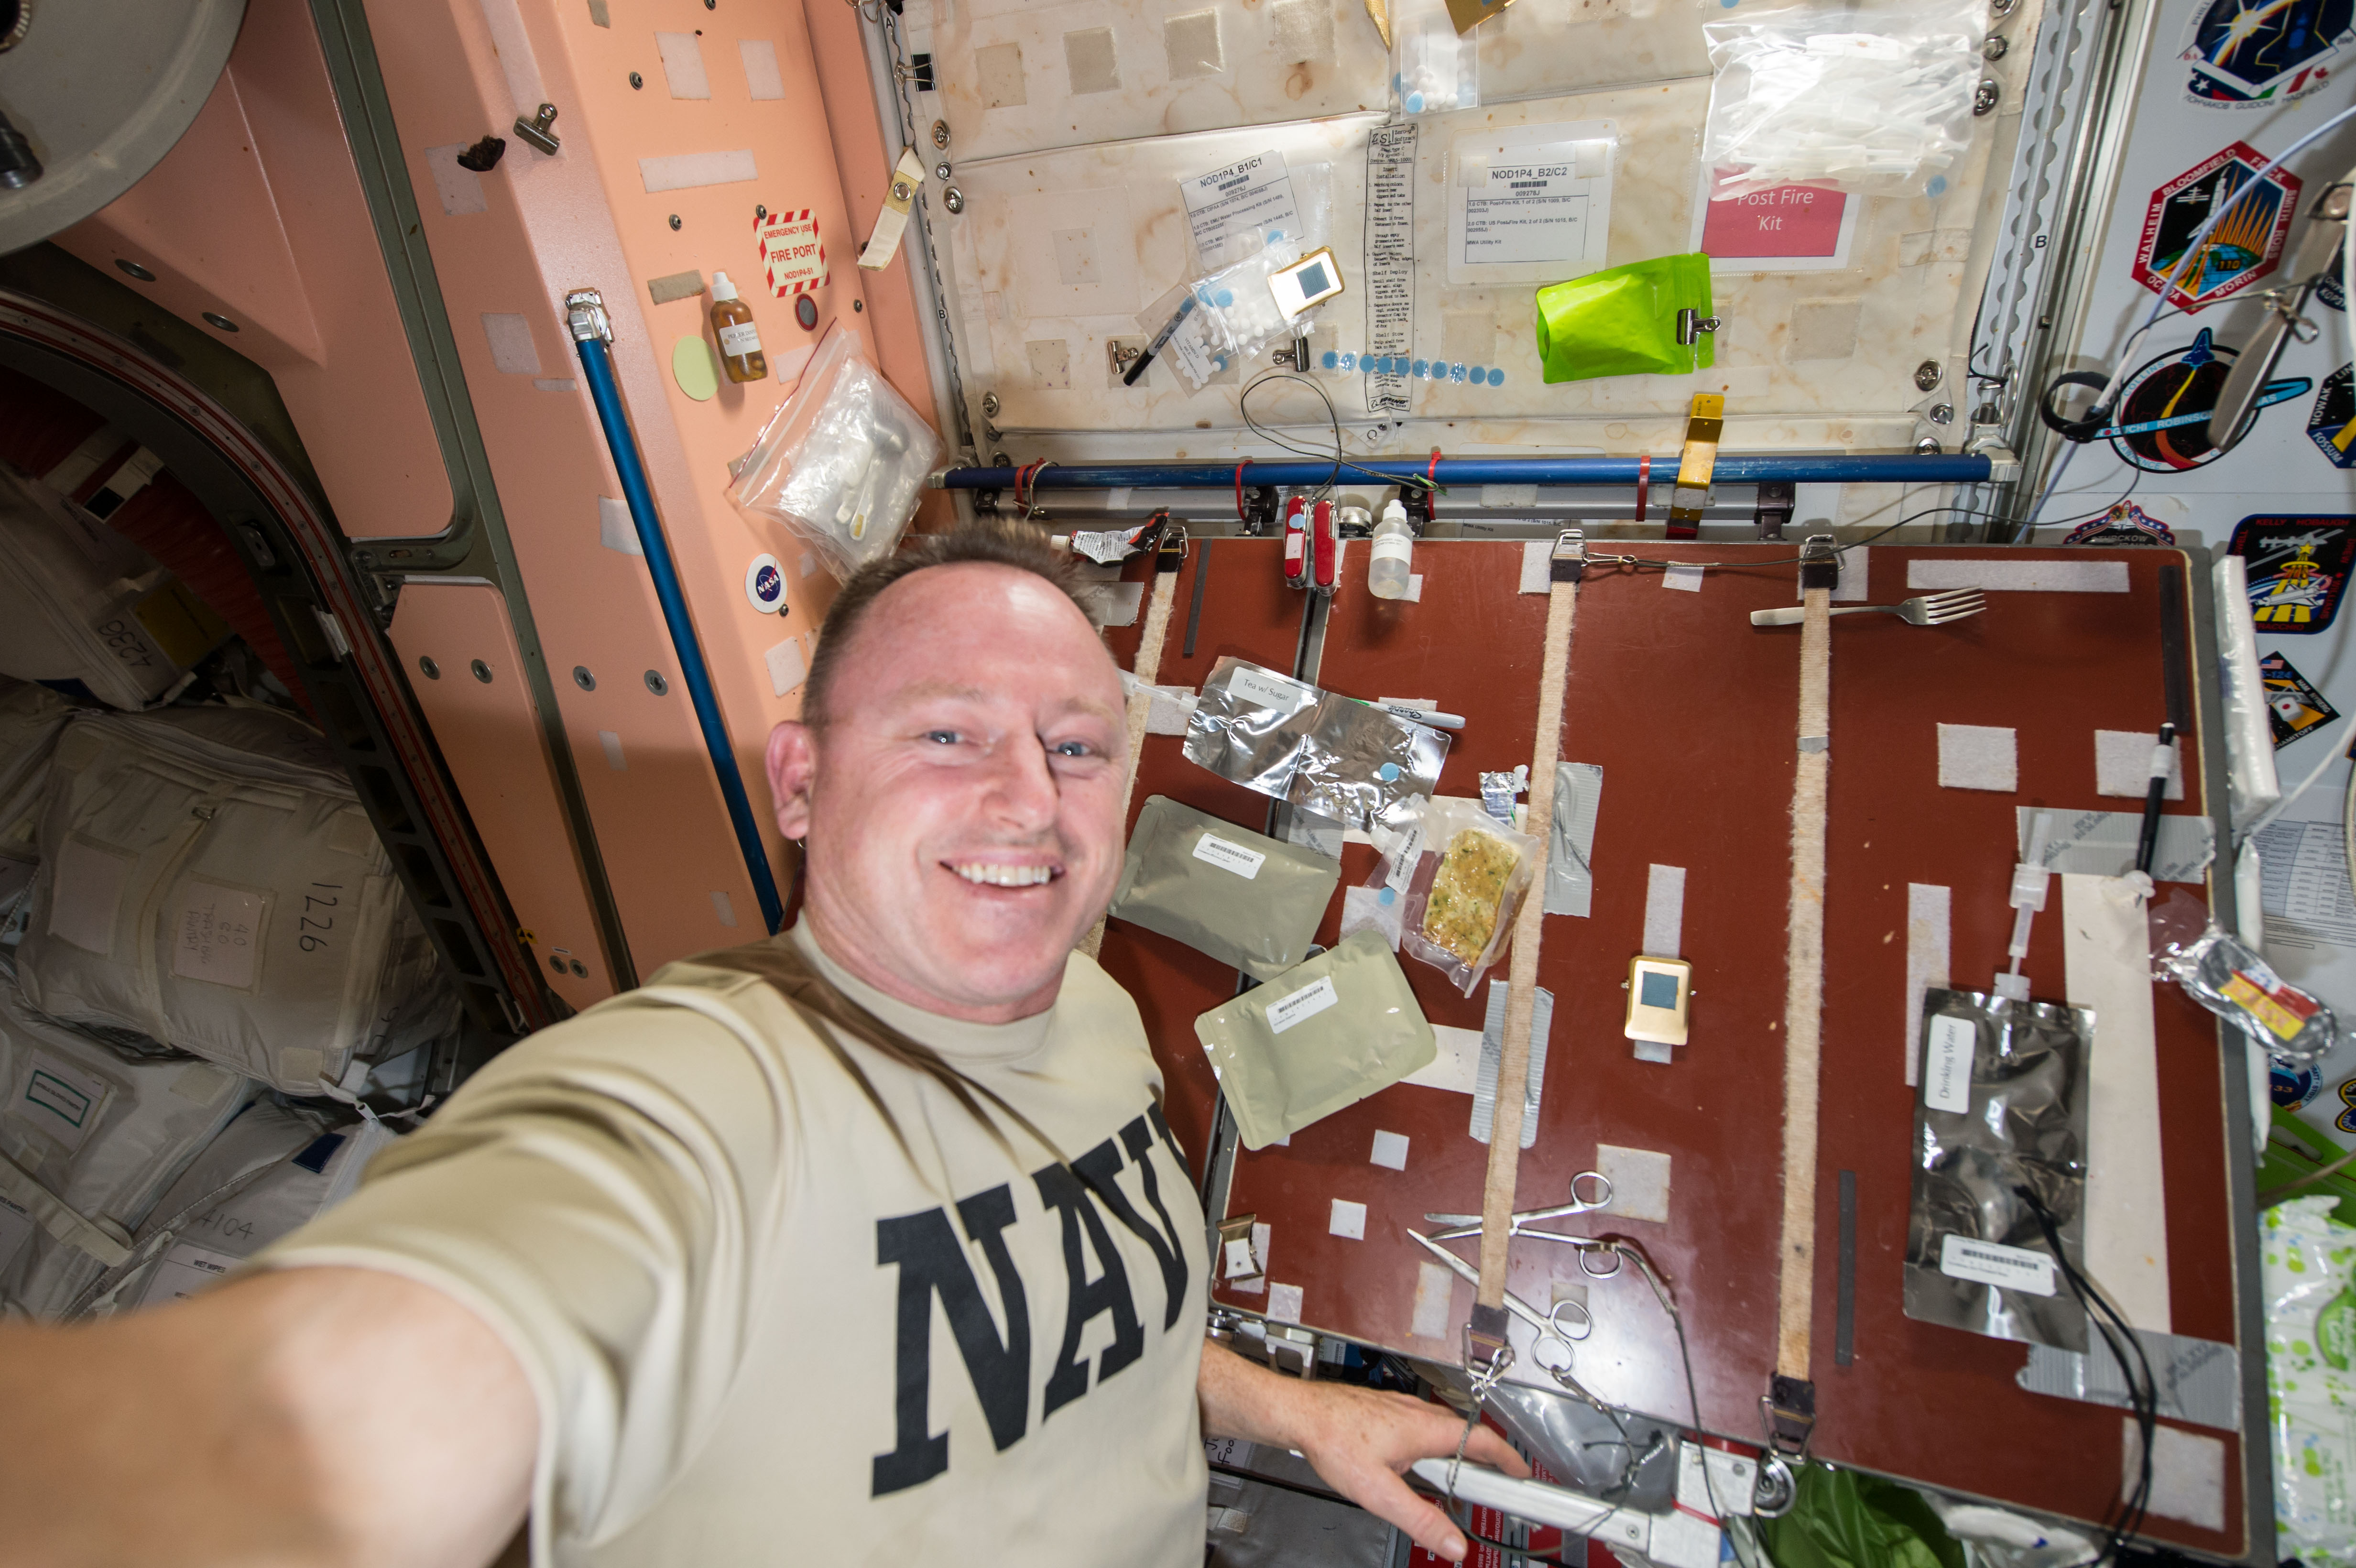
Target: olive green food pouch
(1321, 1036)
(1623, 321)
(1242, 897)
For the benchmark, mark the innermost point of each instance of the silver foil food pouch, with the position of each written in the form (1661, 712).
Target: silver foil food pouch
(2002, 1107)
(1321, 1036)
(1242, 897)
(1328, 753)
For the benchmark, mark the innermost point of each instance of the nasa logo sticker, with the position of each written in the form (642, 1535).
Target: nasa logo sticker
(2246, 56)
(764, 585)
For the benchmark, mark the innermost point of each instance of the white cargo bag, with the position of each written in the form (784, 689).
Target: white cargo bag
(83, 609)
(88, 1140)
(31, 717)
(208, 880)
(268, 1174)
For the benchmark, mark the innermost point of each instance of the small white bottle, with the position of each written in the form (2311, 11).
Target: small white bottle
(1394, 547)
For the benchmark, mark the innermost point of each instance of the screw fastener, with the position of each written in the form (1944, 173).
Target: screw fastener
(1926, 374)
(1984, 98)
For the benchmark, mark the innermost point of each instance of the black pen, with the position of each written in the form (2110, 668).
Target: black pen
(1137, 366)
(2163, 759)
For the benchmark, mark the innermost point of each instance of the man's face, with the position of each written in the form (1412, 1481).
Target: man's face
(962, 805)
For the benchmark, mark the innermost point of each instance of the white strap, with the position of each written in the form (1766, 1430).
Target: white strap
(1803, 996)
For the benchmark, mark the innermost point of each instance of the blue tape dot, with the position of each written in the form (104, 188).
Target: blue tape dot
(1274, 235)
(1479, 374)
(1227, 297)
(1349, 361)
(1423, 366)
(1219, 361)
(1388, 773)
(1414, 103)
(1497, 377)
(1331, 359)
(1937, 188)
(1386, 896)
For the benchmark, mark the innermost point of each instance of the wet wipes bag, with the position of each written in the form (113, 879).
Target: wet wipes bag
(1321, 1036)
(1242, 897)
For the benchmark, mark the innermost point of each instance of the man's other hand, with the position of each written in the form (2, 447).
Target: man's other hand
(1359, 1440)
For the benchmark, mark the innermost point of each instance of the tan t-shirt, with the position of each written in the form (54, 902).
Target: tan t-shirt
(759, 1333)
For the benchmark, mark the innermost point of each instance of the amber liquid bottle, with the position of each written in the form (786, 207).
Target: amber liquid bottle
(740, 340)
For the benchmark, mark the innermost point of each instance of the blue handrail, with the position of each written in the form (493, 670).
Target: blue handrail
(1732, 469)
(585, 314)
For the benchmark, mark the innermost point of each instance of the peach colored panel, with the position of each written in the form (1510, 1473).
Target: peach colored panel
(257, 215)
(490, 736)
(548, 226)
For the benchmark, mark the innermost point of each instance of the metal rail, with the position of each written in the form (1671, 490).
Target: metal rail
(1549, 471)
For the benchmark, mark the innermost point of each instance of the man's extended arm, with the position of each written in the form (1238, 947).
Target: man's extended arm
(1359, 1440)
(310, 1418)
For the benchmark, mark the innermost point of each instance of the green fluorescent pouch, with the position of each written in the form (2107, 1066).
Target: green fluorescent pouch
(1242, 897)
(1623, 321)
(1321, 1036)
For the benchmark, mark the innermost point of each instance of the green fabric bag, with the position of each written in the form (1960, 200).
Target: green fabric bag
(1242, 897)
(1843, 1520)
(1623, 321)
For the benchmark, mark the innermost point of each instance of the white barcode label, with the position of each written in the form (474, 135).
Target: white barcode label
(1227, 856)
(1262, 689)
(1947, 1064)
(1307, 1002)
(1404, 856)
(1993, 1263)
(185, 1270)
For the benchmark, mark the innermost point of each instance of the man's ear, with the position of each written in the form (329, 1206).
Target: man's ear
(793, 766)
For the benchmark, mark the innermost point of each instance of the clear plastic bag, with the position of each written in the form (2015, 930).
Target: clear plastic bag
(2222, 973)
(1433, 67)
(1458, 877)
(1874, 99)
(842, 462)
(1235, 316)
(1316, 749)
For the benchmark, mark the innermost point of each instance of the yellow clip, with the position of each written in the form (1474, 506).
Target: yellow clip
(1704, 425)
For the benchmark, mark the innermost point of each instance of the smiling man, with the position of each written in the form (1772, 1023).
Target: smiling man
(867, 1243)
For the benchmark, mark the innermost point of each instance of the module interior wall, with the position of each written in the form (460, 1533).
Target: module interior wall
(1822, 359)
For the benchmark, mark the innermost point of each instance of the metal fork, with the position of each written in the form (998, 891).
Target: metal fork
(1928, 609)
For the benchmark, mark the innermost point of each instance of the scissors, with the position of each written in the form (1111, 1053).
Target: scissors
(1549, 1326)
(1460, 1225)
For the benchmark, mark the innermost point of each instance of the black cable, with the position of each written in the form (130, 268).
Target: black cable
(2143, 1392)
(1334, 418)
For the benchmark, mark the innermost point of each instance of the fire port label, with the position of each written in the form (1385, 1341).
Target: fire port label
(791, 252)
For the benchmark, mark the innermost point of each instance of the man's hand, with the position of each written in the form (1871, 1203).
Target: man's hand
(1360, 1441)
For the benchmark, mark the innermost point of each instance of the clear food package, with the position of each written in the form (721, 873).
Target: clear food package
(1458, 876)
(1873, 97)
(842, 462)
